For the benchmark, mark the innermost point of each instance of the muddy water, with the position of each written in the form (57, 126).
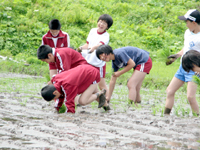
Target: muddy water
(34, 124)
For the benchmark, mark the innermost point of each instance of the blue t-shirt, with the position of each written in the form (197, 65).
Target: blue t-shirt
(122, 56)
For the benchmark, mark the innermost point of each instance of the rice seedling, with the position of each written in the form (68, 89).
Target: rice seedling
(23, 102)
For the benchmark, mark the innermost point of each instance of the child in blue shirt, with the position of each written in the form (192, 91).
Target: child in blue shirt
(127, 58)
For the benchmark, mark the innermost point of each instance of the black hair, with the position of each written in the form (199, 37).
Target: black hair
(189, 59)
(195, 14)
(43, 51)
(47, 92)
(192, 21)
(106, 49)
(107, 18)
(54, 24)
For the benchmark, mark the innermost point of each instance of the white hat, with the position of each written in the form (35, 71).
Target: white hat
(192, 14)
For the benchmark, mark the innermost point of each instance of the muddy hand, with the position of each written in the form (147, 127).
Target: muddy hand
(90, 50)
(172, 58)
(79, 50)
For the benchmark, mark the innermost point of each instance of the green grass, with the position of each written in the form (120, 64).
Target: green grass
(148, 24)
(21, 85)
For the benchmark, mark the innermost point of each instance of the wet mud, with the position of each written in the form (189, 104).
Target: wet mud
(33, 124)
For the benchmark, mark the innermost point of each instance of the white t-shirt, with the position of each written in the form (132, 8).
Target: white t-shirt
(191, 41)
(94, 38)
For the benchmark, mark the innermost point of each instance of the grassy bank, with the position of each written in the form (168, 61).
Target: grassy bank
(152, 25)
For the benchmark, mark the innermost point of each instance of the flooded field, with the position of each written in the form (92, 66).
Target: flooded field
(27, 122)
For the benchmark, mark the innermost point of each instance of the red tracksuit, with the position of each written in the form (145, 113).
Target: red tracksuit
(74, 81)
(66, 58)
(62, 40)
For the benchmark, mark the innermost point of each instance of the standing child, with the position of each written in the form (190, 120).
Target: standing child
(66, 85)
(98, 36)
(191, 42)
(55, 38)
(129, 58)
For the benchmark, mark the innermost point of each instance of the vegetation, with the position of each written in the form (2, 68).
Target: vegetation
(152, 25)
(149, 24)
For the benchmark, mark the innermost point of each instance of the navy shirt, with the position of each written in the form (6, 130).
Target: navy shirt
(122, 56)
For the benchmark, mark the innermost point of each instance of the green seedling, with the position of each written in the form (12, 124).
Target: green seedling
(23, 103)
(183, 111)
(196, 79)
(162, 112)
(154, 110)
(94, 105)
(195, 114)
(62, 109)
(114, 107)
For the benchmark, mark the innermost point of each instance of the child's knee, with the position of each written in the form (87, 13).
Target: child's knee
(191, 98)
(130, 85)
(81, 102)
(170, 92)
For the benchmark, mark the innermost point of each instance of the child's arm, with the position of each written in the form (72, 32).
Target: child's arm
(173, 57)
(52, 72)
(111, 87)
(58, 103)
(85, 46)
(130, 65)
(95, 47)
(180, 52)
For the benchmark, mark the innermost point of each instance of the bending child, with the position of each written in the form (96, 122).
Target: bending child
(82, 80)
(191, 42)
(97, 36)
(191, 61)
(129, 58)
(62, 59)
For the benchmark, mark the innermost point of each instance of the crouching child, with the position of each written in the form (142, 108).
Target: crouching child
(67, 85)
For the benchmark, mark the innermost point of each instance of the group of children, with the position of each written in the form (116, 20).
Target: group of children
(69, 68)
(76, 73)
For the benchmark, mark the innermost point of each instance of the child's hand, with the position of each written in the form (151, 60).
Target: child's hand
(49, 83)
(172, 58)
(79, 49)
(116, 74)
(90, 50)
(108, 99)
(62, 109)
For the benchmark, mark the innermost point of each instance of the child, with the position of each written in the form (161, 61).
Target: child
(62, 59)
(191, 61)
(127, 57)
(66, 85)
(191, 42)
(55, 38)
(98, 36)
